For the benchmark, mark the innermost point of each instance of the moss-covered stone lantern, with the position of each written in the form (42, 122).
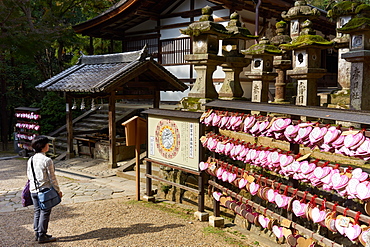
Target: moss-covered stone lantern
(261, 72)
(205, 34)
(281, 62)
(297, 15)
(343, 12)
(307, 63)
(359, 56)
(234, 60)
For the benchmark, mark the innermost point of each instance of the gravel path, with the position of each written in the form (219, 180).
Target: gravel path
(115, 222)
(110, 222)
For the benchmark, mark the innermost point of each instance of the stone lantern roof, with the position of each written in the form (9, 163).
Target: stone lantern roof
(300, 10)
(359, 23)
(205, 25)
(307, 38)
(263, 48)
(342, 9)
(237, 31)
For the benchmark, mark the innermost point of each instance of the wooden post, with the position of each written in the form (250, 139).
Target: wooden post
(70, 152)
(136, 135)
(216, 204)
(201, 192)
(91, 48)
(156, 100)
(148, 179)
(112, 131)
(201, 181)
(137, 153)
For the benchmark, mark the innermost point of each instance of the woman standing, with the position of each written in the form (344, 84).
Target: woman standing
(44, 177)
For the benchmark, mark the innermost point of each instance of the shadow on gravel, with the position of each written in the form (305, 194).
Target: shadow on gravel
(111, 233)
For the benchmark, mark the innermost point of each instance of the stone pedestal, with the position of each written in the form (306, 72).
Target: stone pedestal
(201, 216)
(149, 198)
(260, 85)
(360, 78)
(216, 221)
(307, 84)
(344, 70)
(281, 65)
(204, 65)
(231, 87)
(280, 86)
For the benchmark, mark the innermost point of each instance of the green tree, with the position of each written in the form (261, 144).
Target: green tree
(36, 42)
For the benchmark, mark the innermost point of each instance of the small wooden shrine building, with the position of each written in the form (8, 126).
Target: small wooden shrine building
(129, 75)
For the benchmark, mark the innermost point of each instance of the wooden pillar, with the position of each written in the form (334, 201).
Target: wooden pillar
(70, 152)
(112, 131)
(157, 99)
(91, 48)
(111, 46)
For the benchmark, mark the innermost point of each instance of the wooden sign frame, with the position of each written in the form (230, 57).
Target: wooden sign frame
(173, 137)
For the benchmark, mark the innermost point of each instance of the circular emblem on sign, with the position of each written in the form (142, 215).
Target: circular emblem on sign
(167, 138)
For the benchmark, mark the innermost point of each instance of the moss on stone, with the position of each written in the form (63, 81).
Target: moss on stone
(191, 104)
(206, 27)
(281, 24)
(342, 9)
(259, 49)
(306, 40)
(362, 8)
(355, 23)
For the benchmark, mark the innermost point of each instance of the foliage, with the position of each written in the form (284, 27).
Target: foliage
(52, 110)
(36, 42)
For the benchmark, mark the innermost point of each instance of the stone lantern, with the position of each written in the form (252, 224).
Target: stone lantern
(261, 72)
(281, 62)
(297, 14)
(343, 12)
(306, 47)
(205, 34)
(234, 59)
(359, 56)
(306, 63)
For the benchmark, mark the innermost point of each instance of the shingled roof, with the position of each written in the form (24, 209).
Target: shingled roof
(126, 14)
(104, 73)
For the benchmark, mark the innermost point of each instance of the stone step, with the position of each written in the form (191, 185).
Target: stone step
(99, 116)
(97, 120)
(131, 175)
(90, 125)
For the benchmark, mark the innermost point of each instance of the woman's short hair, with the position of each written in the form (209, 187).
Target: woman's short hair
(39, 142)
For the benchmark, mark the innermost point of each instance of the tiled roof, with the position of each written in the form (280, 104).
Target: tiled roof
(97, 73)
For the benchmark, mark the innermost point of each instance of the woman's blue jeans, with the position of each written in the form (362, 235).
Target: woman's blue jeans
(41, 217)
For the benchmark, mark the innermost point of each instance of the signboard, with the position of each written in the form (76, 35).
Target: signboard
(135, 131)
(174, 140)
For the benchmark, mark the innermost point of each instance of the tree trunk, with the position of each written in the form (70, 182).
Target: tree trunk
(4, 115)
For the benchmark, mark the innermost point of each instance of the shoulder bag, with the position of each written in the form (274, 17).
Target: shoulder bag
(48, 197)
(26, 195)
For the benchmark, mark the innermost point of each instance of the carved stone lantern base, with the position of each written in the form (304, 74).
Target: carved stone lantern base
(204, 65)
(360, 79)
(307, 84)
(260, 85)
(231, 88)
